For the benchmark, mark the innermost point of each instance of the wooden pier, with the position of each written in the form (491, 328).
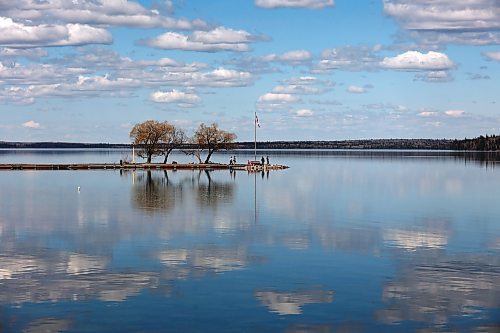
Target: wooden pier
(142, 166)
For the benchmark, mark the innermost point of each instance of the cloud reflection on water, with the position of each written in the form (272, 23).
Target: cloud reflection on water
(427, 239)
(84, 264)
(291, 303)
(412, 240)
(433, 290)
(120, 239)
(56, 277)
(48, 325)
(193, 262)
(60, 276)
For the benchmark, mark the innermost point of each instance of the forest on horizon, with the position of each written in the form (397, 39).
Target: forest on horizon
(481, 143)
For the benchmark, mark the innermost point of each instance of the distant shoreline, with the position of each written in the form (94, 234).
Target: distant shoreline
(482, 143)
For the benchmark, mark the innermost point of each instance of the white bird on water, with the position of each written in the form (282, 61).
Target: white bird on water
(78, 188)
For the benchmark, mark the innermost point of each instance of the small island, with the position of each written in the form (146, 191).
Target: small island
(153, 138)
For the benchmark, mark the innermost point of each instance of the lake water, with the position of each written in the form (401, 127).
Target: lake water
(340, 242)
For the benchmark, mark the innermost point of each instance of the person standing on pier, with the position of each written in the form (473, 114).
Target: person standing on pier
(262, 160)
(267, 160)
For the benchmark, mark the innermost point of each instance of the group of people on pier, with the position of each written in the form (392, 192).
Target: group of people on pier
(263, 161)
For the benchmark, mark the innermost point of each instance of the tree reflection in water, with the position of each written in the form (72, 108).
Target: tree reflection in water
(212, 193)
(154, 190)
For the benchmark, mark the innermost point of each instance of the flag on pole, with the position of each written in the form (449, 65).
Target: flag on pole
(257, 121)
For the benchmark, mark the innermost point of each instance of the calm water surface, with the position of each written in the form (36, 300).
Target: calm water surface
(340, 242)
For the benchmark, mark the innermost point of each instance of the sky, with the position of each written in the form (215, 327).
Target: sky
(89, 70)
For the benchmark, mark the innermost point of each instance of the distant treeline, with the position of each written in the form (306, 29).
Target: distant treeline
(66, 145)
(354, 144)
(482, 143)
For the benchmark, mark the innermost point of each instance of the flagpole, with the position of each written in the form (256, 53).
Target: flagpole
(255, 137)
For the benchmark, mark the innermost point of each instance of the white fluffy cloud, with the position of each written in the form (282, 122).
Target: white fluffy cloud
(448, 21)
(278, 98)
(427, 114)
(181, 98)
(353, 58)
(33, 53)
(222, 35)
(30, 23)
(16, 73)
(416, 61)
(312, 4)
(437, 75)
(15, 34)
(304, 80)
(31, 124)
(442, 114)
(218, 39)
(266, 63)
(283, 96)
(222, 77)
(434, 76)
(109, 13)
(356, 89)
(303, 113)
(493, 55)
(296, 89)
(304, 85)
(295, 56)
(100, 83)
(23, 84)
(274, 101)
(455, 113)
(105, 59)
(445, 14)
(83, 86)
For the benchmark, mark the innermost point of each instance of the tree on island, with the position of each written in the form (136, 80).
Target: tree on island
(210, 138)
(173, 139)
(154, 138)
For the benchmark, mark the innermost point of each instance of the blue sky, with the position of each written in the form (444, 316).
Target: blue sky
(88, 70)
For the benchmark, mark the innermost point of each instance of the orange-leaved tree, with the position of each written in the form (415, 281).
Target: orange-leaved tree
(211, 138)
(155, 138)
